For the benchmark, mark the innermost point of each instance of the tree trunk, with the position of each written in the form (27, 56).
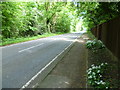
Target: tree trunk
(49, 31)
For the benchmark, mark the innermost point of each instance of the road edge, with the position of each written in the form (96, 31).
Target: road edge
(33, 82)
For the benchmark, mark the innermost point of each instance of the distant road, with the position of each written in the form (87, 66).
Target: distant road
(20, 62)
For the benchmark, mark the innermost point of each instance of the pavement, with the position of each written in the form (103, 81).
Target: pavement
(23, 62)
(70, 72)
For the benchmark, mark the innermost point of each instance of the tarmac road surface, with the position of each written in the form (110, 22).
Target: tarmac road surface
(20, 62)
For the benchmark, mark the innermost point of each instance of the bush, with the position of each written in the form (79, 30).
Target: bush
(95, 76)
(94, 44)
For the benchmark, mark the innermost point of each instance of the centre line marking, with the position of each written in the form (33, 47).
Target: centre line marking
(31, 47)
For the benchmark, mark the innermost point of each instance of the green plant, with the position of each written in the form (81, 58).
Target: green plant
(95, 76)
(25, 19)
(94, 44)
(23, 39)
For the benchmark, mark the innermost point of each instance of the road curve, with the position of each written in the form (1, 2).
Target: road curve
(20, 62)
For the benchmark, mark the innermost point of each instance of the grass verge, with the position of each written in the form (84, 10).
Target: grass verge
(23, 39)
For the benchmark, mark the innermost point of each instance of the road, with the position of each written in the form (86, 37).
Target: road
(20, 62)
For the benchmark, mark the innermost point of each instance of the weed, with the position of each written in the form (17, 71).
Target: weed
(95, 76)
(94, 45)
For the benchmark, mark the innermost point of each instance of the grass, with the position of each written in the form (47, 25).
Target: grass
(23, 39)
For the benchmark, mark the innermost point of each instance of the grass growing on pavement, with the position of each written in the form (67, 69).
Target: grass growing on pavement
(23, 39)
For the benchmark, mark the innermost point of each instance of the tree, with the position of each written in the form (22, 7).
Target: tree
(22, 19)
(95, 13)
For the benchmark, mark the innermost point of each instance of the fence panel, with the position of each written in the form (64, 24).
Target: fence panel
(109, 34)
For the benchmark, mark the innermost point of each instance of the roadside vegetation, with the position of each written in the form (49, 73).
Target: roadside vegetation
(101, 65)
(95, 13)
(29, 19)
(23, 39)
(96, 76)
(100, 78)
(22, 21)
(95, 45)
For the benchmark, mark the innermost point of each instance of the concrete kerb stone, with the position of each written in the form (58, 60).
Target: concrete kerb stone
(41, 76)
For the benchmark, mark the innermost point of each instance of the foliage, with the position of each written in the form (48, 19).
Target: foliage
(94, 44)
(23, 19)
(95, 76)
(94, 13)
(23, 39)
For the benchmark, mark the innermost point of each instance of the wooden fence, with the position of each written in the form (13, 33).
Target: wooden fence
(109, 34)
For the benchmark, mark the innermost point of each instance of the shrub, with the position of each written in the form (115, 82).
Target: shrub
(95, 76)
(94, 44)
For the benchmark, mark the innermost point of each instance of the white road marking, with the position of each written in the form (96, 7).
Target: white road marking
(26, 85)
(31, 47)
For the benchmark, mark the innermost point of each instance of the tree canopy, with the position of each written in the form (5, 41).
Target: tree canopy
(21, 19)
(94, 13)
